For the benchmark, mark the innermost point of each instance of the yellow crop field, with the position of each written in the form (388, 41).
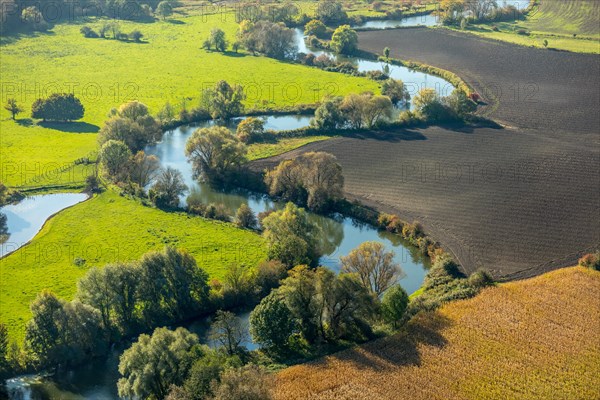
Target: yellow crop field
(533, 339)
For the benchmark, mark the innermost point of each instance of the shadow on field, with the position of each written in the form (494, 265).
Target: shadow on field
(174, 22)
(402, 349)
(72, 127)
(397, 136)
(27, 122)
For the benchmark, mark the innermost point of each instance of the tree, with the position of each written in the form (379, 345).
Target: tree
(251, 130)
(314, 179)
(374, 266)
(58, 107)
(272, 39)
(34, 18)
(153, 363)
(272, 323)
(206, 370)
(430, 107)
(229, 331)
(460, 104)
(95, 289)
(167, 189)
(291, 236)
(164, 9)
(545, 43)
(4, 348)
(171, 286)
(331, 11)
(215, 153)
(386, 53)
(143, 168)
(3, 228)
(365, 110)
(217, 39)
(247, 383)
(62, 333)
(114, 157)
(224, 101)
(328, 115)
(245, 217)
(393, 305)
(396, 91)
(131, 124)
(124, 293)
(315, 28)
(13, 108)
(344, 40)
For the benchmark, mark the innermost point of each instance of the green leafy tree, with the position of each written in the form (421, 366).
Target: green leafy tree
(215, 153)
(143, 168)
(300, 291)
(272, 323)
(224, 101)
(58, 107)
(374, 266)
(395, 90)
(206, 371)
(171, 286)
(62, 333)
(114, 157)
(316, 28)
(13, 108)
(168, 188)
(331, 11)
(251, 130)
(328, 115)
(344, 40)
(430, 107)
(291, 236)
(4, 348)
(460, 104)
(218, 39)
(394, 304)
(132, 124)
(3, 228)
(164, 9)
(245, 218)
(386, 53)
(154, 363)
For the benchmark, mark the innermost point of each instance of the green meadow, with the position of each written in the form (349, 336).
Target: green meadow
(109, 228)
(570, 25)
(169, 65)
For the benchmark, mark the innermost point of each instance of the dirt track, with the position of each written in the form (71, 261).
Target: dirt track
(518, 201)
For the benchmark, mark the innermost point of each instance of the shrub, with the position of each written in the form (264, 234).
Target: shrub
(394, 304)
(316, 28)
(591, 261)
(480, 278)
(251, 130)
(522, 32)
(136, 36)
(88, 32)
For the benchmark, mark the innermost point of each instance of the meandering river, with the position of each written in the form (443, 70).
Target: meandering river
(97, 379)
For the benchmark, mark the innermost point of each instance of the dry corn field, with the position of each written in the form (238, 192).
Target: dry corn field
(532, 339)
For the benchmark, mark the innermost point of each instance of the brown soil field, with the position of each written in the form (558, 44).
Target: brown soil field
(531, 339)
(518, 201)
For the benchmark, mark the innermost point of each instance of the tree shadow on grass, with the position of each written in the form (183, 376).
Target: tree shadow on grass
(401, 349)
(26, 122)
(72, 127)
(175, 22)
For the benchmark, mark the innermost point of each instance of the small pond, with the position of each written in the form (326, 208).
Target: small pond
(26, 218)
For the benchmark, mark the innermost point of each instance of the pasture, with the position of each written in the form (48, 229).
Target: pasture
(108, 229)
(570, 25)
(530, 339)
(169, 65)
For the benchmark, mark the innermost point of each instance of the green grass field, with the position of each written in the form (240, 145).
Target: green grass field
(554, 21)
(110, 228)
(263, 150)
(169, 66)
